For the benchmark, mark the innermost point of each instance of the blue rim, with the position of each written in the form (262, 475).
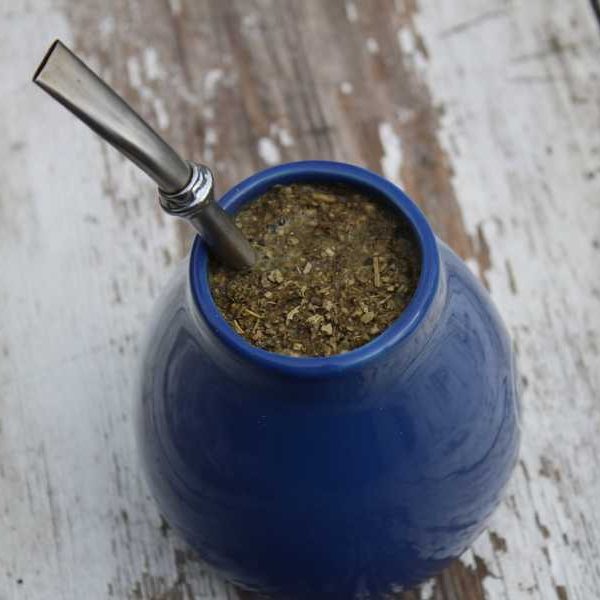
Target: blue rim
(321, 171)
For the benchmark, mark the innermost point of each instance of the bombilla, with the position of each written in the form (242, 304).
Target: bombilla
(186, 189)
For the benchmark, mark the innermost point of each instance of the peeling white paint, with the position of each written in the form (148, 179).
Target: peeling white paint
(283, 136)
(66, 388)
(391, 160)
(427, 590)
(410, 50)
(152, 71)
(351, 12)
(518, 136)
(372, 45)
(134, 72)
(152, 67)
(162, 116)
(106, 27)
(346, 88)
(250, 21)
(210, 136)
(175, 6)
(268, 151)
(406, 40)
(210, 140)
(211, 80)
(468, 560)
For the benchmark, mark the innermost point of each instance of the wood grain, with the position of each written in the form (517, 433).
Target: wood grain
(487, 113)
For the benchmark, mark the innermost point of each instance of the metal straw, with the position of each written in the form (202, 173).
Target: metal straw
(185, 188)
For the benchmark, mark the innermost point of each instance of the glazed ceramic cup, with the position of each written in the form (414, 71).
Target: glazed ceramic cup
(339, 477)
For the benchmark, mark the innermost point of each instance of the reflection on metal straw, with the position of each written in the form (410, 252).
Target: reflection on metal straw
(186, 189)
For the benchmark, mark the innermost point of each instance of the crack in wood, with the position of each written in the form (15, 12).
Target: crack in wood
(595, 4)
(489, 15)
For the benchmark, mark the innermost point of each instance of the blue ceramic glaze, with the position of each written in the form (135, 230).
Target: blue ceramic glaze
(339, 477)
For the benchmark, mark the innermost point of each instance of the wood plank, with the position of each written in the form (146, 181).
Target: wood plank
(488, 116)
(521, 130)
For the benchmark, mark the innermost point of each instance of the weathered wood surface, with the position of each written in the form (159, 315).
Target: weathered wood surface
(488, 113)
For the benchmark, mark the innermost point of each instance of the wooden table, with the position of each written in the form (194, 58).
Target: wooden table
(486, 112)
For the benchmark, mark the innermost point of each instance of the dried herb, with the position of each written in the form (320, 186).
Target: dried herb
(335, 268)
